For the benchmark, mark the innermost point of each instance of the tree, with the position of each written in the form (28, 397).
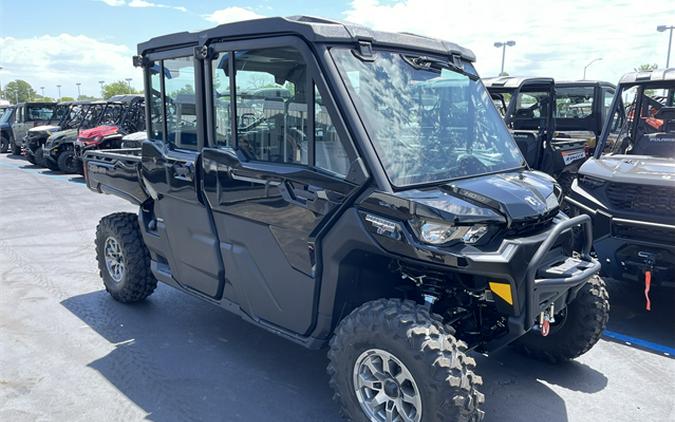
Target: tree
(646, 67)
(117, 88)
(66, 99)
(19, 91)
(40, 98)
(86, 98)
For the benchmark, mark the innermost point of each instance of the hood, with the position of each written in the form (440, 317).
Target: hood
(506, 197)
(61, 136)
(98, 131)
(43, 130)
(520, 195)
(636, 169)
(136, 136)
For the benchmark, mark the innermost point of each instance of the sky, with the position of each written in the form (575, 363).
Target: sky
(48, 43)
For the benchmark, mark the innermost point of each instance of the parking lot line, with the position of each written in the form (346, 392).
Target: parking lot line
(634, 341)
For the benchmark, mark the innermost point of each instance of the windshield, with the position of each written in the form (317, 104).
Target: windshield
(642, 121)
(574, 102)
(6, 115)
(429, 121)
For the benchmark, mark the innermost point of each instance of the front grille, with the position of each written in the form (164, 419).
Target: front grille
(644, 233)
(532, 225)
(659, 200)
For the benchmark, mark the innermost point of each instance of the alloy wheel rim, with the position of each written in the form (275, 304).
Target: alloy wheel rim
(385, 388)
(114, 259)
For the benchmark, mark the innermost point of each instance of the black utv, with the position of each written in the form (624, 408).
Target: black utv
(628, 187)
(548, 122)
(381, 208)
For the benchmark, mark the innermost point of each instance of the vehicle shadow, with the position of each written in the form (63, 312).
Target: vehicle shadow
(77, 179)
(179, 359)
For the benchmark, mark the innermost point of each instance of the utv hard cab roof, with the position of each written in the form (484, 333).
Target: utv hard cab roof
(583, 82)
(657, 75)
(313, 30)
(514, 82)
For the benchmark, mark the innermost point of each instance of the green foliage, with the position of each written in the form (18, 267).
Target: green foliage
(66, 99)
(646, 67)
(19, 91)
(117, 88)
(86, 98)
(44, 99)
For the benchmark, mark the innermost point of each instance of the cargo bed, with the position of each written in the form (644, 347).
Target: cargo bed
(116, 172)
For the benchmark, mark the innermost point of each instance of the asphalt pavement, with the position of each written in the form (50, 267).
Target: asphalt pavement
(68, 352)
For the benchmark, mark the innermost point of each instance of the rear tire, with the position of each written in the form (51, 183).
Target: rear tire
(67, 162)
(424, 361)
(16, 150)
(578, 329)
(4, 145)
(123, 259)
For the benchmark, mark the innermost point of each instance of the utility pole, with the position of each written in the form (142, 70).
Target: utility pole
(664, 28)
(101, 85)
(503, 46)
(78, 89)
(129, 83)
(59, 89)
(590, 63)
(42, 88)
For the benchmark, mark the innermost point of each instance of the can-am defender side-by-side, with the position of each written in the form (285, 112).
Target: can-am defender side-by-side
(65, 116)
(528, 108)
(629, 189)
(124, 114)
(381, 208)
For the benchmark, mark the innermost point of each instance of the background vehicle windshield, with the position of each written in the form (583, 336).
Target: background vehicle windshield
(428, 123)
(643, 122)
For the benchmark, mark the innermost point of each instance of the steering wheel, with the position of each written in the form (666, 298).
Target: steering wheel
(469, 164)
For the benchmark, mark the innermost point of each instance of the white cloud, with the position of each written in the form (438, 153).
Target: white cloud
(142, 4)
(231, 14)
(553, 38)
(65, 59)
(114, 3)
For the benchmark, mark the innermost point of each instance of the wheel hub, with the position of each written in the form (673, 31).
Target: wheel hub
(114, 259)
(385, 388)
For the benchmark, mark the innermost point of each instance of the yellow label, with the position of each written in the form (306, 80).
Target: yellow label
(502, 290)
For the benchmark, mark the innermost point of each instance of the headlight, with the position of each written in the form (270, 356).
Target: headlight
(436, 233)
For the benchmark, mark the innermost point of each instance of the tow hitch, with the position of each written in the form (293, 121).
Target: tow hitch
(649, 260)
(545, 319)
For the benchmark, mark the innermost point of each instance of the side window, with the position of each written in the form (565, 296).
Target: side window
(607, 97)
(528, 106)
(180, 105)
(156, 116)
(222, 103)
(329, 151)
(271, 105)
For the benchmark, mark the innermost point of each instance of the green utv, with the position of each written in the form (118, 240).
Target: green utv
(373, 202)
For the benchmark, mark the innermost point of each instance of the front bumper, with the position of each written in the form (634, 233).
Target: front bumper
(627, 246)
(536, 271)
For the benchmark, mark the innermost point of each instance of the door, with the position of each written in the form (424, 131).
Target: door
(188, 245)
(19, 125)
(277, 181)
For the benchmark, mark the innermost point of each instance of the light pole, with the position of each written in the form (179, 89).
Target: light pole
(101, 85)
(42, 88)
(503, 46)
(59, 89)
(129, 83)
(1, 93)
(590, 63)
(664, 28)
(78, 89)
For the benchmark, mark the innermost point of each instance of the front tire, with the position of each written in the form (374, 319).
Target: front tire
(123, 259)
(392, 358)
(577, 328)
(67, 162)
(16, 150)
(4, 144)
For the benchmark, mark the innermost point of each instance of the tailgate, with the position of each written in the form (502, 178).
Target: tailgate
(570, 149)
(115, 172)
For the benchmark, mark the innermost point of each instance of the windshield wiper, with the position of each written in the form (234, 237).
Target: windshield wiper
(432, 63)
